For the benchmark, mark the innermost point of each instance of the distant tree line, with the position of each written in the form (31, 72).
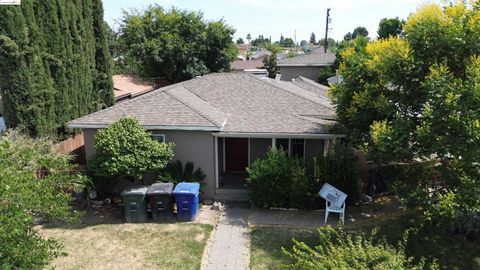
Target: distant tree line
(55, 64)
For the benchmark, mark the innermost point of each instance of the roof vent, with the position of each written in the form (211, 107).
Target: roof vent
(277, 77)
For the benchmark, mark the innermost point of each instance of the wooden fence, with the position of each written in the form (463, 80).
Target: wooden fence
(75, 146)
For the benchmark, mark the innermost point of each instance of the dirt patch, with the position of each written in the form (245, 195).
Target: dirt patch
(208, 215)
(199, 237)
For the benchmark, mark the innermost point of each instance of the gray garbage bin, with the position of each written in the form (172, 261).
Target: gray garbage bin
(135, 205)
(161, 201)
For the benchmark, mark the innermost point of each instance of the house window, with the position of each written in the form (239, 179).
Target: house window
(157, 135)
(297, 148)
(294, 147)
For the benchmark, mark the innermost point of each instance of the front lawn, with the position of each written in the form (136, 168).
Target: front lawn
(131, 246)
(450, 251)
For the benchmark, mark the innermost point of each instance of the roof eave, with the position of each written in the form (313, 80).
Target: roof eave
(278, 135)
(157, 127)
(304, 65)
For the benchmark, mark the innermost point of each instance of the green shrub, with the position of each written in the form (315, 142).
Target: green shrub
(124, 148)
(326, 73)
(277, 180)
(338, 169)
(337, 249)
(175, 172)
(34, 181)
(282, 181)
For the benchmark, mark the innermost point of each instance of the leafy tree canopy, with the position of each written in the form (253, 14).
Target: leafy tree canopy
(390, 27)
(270, 62)
(313, 40)
(124, 148)
(332, 44)
(240, 41)
(416, 97)
(260, 41)
(359, 31)
(175, 44)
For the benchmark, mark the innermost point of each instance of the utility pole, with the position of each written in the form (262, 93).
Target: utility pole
(326, 30)
(295, 37)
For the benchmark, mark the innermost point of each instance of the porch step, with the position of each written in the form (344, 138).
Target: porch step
(237, 195)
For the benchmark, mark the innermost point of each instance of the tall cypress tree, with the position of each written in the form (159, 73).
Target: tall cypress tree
(54, 62)
(103, 64)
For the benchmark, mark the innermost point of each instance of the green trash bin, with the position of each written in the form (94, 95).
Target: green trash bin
(135, 205)
(161, 201)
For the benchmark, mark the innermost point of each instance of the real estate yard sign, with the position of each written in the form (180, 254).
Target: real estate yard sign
(10, 2)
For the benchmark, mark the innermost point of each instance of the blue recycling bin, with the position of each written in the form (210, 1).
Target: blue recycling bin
(186, 197)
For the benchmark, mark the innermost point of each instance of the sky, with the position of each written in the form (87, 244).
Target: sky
(287, 17)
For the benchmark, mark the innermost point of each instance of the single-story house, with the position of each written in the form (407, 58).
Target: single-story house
(222, 122)
(306, 65)
(127, 86)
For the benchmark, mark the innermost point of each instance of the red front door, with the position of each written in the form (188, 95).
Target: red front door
(236, 154)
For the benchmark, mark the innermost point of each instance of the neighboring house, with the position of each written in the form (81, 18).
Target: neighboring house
(128, 86)
(307, 65)
(240, 65)
(260, 55)
(223, 122)
(243, 50)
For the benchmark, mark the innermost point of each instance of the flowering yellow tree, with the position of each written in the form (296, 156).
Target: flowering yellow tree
(416, 98)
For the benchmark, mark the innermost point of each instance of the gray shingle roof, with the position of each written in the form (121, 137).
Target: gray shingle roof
(310, 59)
(227, 102)
(310, 85)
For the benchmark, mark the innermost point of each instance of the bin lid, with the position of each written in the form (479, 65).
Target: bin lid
(135, 190)
(160, 188)
(187, 188)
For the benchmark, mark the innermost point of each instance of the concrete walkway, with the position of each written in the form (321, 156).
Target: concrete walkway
(230, 248)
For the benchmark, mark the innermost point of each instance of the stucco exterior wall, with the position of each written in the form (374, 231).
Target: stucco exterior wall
(195, 146)
(89, 139)
(198, 147)
(310, 72)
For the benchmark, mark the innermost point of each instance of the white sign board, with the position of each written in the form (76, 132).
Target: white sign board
(332, 194)
(10, 2)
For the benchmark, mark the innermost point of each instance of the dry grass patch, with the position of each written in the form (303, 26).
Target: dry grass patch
(131, 246)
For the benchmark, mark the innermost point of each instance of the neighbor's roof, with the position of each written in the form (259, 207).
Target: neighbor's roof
(311, 59)
(129, 86)
(227, 102)
(249, 64)
(260, 54)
